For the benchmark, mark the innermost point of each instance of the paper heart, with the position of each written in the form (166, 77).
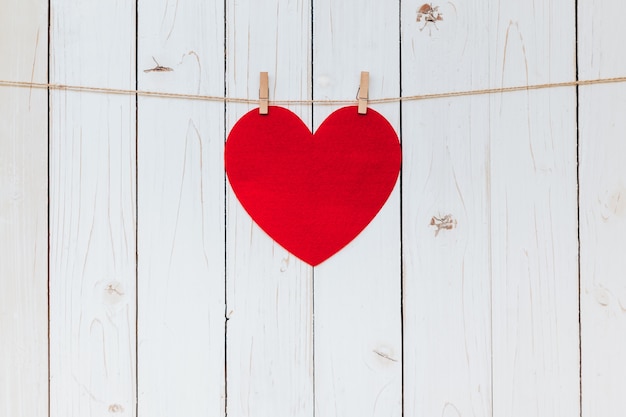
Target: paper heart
(312, 194)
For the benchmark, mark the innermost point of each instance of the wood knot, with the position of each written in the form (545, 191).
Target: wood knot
(384, 355)
(602, 296)
(113, 292)
(116, 408)
(158, 67)
(430, 14)
(446, 222)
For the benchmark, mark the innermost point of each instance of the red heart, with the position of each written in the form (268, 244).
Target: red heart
(312, 194)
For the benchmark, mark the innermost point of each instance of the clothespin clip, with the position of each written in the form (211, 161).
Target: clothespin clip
(364, 92)
(264, 93)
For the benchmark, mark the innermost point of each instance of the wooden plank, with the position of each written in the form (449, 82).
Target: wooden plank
(92, 211)
(602, 244)
(358, 347)
(533, 213)
(181, 211)
(446, 292)
(23, 211)
(601, 225)
(269, 291)
(445, 227)
(602, 182)
(534, 250)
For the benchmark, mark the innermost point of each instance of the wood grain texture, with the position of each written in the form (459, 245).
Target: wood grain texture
(446, 239)
(358, 345)
(602, 176)
(181, 211)
(23, 211)
(269, 291)
(92, 211)
(533, 212)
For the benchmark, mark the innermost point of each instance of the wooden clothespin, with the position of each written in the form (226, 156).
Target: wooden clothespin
(364, 92)
(264, 93)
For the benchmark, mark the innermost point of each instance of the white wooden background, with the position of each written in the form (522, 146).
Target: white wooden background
(133, 283)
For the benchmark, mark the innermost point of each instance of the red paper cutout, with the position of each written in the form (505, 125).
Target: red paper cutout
(312, 194)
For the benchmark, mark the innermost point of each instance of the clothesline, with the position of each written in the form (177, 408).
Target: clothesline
(181, 96)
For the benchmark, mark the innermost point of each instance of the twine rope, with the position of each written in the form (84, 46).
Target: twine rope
(181, 96)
